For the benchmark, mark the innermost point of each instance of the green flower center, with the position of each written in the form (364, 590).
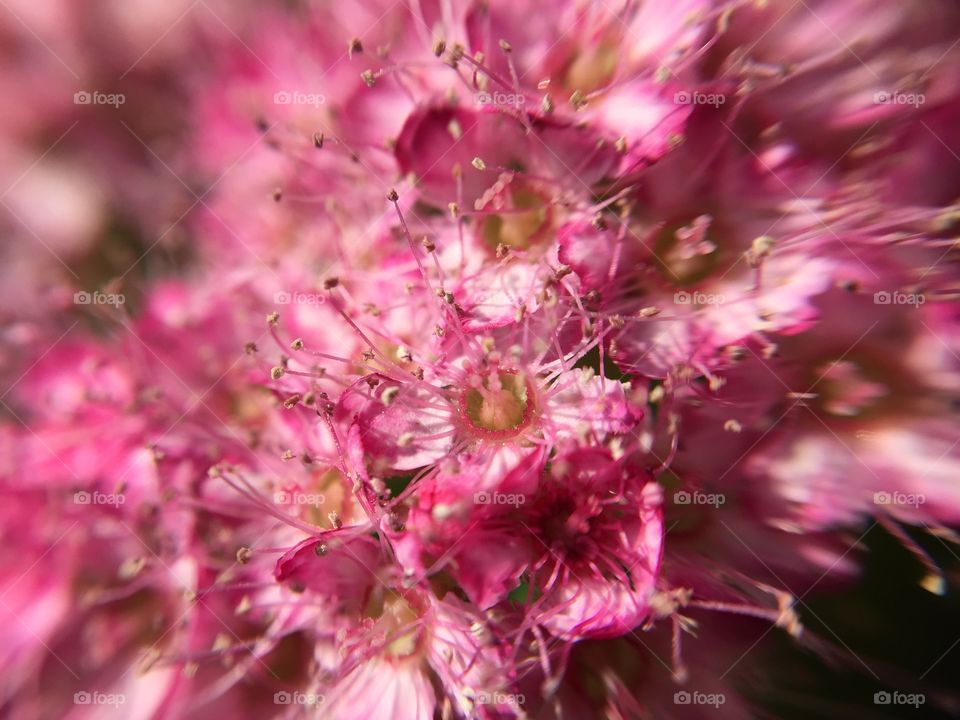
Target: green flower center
(498, 402)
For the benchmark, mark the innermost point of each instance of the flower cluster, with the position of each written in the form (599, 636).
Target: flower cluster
(515, 362)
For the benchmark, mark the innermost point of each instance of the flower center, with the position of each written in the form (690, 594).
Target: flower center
(848, 391)
(498, 402)
(521, 216)
(400, 623)
(687, 252)
(593, 67)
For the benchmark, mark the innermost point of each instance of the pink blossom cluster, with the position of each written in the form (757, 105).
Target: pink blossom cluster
(466, 358)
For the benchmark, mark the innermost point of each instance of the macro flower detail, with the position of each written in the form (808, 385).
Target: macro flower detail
(480, 359)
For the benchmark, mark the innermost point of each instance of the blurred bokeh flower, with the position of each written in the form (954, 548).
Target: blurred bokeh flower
(473, 358)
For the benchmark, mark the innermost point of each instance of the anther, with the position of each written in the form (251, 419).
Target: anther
(244, 605)
(759, 249)
(732, 426)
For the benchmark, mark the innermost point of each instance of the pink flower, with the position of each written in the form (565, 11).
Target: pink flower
(476, 359)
